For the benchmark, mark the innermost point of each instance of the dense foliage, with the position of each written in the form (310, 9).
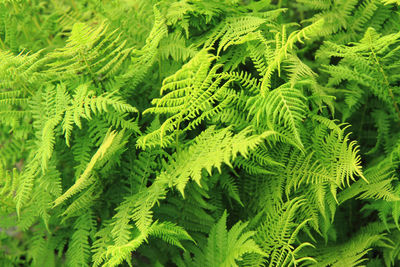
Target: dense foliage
(199, 133)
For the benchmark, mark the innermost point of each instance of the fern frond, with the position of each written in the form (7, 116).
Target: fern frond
(79, 246)
(277, 235)
(194, 90)
(25, 187)
(170, 233)
(142, 213)
(121, 229)
(86, 178)
(225, 248)
(201, 157)
(282, 106)
(379, 185)
(145, 58)
(237, 30)
(85, 200)
(87, 50)
(297, 70)
(352, 252)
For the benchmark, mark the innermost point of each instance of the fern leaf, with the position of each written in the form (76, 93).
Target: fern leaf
(226, 248)
(282, 106)
(85, 179)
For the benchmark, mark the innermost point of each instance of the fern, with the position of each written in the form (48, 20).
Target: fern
(225, 248)
(129, 130)
(282, 106)
(277, 235)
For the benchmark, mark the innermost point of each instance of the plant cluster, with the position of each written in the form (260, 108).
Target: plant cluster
(199, 133)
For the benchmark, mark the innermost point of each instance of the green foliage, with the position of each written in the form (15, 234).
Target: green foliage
(224, 247)
(129, 130)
